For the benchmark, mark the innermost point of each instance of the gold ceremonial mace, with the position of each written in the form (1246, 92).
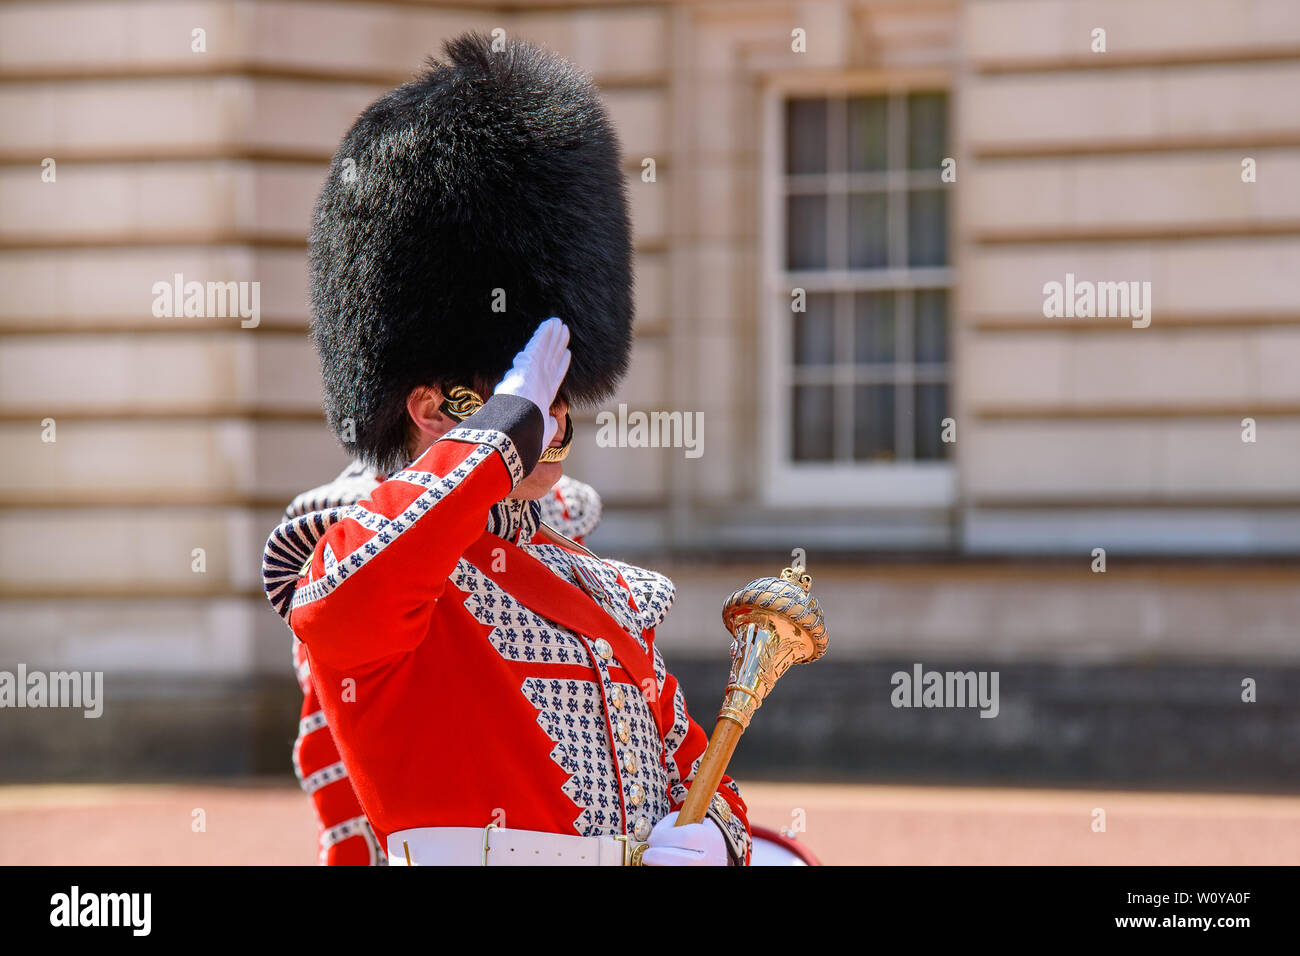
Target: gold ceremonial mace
(774, 623)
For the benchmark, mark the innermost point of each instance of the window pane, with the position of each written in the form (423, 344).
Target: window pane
(874, 327)
(873, 423)
(868, 233)
(930, 323)
(927, 126)
(805, 232)
(867, 152)
(805, 136)
(931, 404)
(814, 332)
(814, 427)
(927, 227)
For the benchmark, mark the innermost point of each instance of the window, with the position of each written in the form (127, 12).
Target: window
(860, 225)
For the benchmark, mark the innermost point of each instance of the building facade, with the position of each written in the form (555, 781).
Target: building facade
(848, 214)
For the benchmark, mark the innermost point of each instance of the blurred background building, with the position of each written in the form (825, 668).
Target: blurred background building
(777, 152)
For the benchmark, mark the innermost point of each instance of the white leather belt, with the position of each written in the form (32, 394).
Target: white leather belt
(500, 846)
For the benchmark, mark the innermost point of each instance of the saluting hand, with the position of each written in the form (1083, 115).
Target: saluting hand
(539, 370)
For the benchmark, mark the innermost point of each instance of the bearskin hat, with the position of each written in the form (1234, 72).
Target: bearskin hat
(461, 210)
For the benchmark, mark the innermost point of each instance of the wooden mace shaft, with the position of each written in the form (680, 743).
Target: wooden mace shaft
(722, 744)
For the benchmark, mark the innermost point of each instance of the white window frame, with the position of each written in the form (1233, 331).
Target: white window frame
(785, 482)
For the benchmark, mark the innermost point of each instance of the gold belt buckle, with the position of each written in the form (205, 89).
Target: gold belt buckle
(631, 854)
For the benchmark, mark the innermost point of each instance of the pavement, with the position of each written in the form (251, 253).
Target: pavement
(271, 823)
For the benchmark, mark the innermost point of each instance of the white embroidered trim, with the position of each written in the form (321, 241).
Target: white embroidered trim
(568, 710)
(594, 576)
(652, 592)
(325, 776)
(502, 442)
(387, 530)
(673, 740)
(357, 826)
(348, 828)
(288, 548)
(643, 744)
(572, 712)
(311, 723)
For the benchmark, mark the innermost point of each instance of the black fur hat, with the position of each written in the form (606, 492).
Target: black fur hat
(491, 180)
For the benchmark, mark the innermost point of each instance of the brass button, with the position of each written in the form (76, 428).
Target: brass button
(604, 650)
(623, 731)
(638, 795)
(629, 763)
(619, 698)
(722, 807)
(641, 829)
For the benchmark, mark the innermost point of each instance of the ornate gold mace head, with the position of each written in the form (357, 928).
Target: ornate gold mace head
(774, 624)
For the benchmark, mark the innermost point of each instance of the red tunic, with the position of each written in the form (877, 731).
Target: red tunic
(453, 702)
(344, 835)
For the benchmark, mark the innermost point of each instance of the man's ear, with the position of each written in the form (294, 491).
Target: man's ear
(424, 405)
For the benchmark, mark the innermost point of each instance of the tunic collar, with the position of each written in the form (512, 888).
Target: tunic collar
(515, 520)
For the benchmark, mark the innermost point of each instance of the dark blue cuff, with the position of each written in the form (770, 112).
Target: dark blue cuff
(516, 417)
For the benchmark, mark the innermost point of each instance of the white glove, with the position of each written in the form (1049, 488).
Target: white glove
(696, 844)
(538, 371)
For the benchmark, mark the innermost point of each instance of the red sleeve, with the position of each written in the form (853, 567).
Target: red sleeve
(376, 574)
(344, 835)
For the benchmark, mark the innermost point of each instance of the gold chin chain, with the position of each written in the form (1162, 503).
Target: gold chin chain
(562, 452)
(462, 402)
